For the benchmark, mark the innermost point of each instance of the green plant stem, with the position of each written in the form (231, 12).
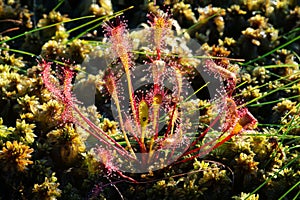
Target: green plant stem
(275, 174)
(45, 27)
(272, 51)
(287, 192)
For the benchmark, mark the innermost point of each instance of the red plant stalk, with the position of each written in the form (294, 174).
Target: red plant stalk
(63, 93)
(112, 89)
(121, 48)
(241, 120)
(161, 27)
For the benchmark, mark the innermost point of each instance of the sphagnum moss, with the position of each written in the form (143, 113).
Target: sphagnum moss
(270, 153)
(15, 156)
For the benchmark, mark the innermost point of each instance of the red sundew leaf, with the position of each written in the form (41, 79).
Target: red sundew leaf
(161, 25)
(246, 121)
(172, 122)
(120, 42)
(62, 92)
(110, 83)
(219, 71)
(241, 119)
(231, 116)
(68, 99)
(67, 85)
(49, 84)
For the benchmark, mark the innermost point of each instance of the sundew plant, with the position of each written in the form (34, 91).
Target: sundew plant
(149, 99)
(153, 101)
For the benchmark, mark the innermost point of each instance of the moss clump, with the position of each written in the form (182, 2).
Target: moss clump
(43, 157)
(15, 156)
